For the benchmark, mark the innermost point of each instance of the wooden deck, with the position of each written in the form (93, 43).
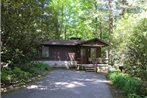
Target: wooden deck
(93, 67)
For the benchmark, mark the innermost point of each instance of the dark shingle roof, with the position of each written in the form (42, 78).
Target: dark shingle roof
(97, 41)
(62, 42)
(75, 42)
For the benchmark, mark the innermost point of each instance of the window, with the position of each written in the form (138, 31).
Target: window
(45, 51)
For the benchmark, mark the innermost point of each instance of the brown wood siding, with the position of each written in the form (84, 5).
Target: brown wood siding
(98, 52)
(61, 53)
(85, 55)
(78, 54)
(70, 53)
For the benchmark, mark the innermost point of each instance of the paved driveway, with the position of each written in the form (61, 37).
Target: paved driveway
(66, 84)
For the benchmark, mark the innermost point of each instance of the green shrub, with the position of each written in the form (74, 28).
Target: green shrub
(14, 75)
(35, 68)
(133, 96)
(42, 66)
(35, 71)
(133, 86)
(20, 75)
(130, 85)
(6, 75)
(118, 79)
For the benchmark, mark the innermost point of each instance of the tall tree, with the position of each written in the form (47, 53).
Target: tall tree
(24, 23)
(110, 29)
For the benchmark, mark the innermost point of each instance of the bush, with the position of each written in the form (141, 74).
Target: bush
(41, 66)
(36, 68)
(133, 96)
(119, 79)
(6, 75)
(133, 86)
(14, 75)
(22, 73)
(130, 85)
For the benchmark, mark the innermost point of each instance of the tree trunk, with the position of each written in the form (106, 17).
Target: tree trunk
(100, 28)
(124, 9)
(96, 21)
(61, 28)
(110, 30)
(65, 33)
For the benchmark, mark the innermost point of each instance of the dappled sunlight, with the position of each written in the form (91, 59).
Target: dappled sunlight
(37, 87)
(78, 81)
(94, 80)
(32, 87)
(101, 81)
(63, 83)
(56, 86)
(73, 84)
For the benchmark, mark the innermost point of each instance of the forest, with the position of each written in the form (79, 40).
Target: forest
(121, 23)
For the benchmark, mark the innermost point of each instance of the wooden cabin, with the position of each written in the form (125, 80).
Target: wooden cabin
(59, 53)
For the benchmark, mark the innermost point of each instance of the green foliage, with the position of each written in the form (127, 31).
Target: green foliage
(129, 44)
(20, 75)
(134, 96)
(119, 79)
(41, 66)
(130, 85)
(14, 75)
(24, 24)
(37, 68)
(6, 75)
(24, 73)
(78, 18)
(133, 85)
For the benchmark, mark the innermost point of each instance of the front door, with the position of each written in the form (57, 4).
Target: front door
(84, 57)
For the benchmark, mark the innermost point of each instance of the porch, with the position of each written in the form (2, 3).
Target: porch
(93, 67)
(90, 52)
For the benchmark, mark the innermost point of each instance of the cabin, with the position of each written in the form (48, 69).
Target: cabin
(68, 53)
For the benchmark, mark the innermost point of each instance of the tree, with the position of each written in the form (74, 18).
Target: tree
(24, 23)
(129, 43)
(85, 19)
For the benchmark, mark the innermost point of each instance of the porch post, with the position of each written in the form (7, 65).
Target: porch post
(107, 56)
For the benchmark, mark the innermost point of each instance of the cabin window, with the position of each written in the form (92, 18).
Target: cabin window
(45, 51)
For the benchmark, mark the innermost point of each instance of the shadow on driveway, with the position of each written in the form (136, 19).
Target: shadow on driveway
(66, 84)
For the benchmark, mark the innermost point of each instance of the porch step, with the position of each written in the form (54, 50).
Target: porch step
(90, 69)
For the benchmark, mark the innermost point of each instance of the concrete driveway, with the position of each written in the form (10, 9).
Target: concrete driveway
(66, 84)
